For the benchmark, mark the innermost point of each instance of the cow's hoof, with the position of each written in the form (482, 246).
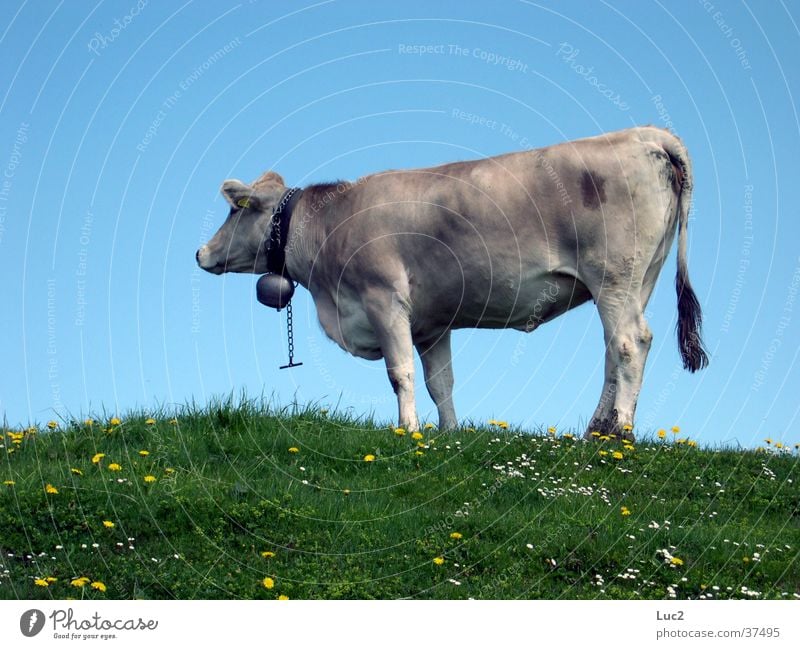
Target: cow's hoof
(610, 428)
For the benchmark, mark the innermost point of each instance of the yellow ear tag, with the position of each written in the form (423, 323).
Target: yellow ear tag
(244, 202)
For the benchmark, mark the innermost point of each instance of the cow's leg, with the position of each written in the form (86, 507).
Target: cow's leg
(628, 341)
(436, 362)
(603, 414)
(393, 330)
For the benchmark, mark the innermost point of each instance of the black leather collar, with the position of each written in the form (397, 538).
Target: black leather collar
(275, 245)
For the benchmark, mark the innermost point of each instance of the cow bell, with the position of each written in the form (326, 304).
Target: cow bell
(274, 290)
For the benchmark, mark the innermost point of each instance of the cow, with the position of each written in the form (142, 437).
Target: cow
(398, 259)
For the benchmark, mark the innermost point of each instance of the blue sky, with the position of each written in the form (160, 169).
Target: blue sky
(120, 120)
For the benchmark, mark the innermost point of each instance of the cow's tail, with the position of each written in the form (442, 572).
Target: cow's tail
(690, 315)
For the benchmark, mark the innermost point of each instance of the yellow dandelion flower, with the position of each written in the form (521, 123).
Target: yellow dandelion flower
(617, 455)
(369, 458)
(552, 430)
(681, 441)
(746, 559)
(169, 471)
(676, 561)
(428, 426)
(149, 479)
(768, 440)
(76, 471)
(51, 580)
(595, 433)
(692, 443)
(346, 492)
(661, 433)
(568, 436)
(438, 560)
(294, 449)
(52, 425)
(80, 582)
(50, 489)
(108, 524)
(144, 453)
(456, 535)
(114, 467)
(603, 453)
(417, 435)
(173, 421)
(624, 511)
(267, 554)
(778, 445)
(676, 429)
(9, 483)
(149, 421)
(604, 438)
(283, 597)
(418, 453)
(399, 431)
(268, 583)
(97, 457)
(503, 424)
(89, 422)
(99, 585)
(493, 422)
(41, 582)
(421, 444)
(115, 421)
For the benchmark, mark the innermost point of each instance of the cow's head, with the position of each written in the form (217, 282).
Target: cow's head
(237, 247)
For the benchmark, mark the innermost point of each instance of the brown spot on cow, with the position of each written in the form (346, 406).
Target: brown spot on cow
(593, 190)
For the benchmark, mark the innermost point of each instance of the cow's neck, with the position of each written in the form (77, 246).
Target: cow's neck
(304, 241)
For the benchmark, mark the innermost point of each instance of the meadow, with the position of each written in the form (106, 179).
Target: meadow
(240, 500)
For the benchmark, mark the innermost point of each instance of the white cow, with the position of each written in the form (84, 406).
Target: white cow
(398, 259)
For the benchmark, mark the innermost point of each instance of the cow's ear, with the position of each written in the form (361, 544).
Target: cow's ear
(237, 193)
(269, 178)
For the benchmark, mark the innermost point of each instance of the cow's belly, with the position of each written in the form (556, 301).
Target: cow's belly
(346, 323)
(523, 305)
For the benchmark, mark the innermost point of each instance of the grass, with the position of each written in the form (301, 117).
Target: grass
(482, 512)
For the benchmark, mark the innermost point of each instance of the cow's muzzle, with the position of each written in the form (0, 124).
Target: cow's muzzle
(204, 261)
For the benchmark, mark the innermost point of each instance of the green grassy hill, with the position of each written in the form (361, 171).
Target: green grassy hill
(236, 501)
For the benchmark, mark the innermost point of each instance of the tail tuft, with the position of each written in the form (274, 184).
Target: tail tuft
(690, 321)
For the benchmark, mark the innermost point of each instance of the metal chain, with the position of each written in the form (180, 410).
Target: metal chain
(290, 331)
(275, 233)
(290, 335)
